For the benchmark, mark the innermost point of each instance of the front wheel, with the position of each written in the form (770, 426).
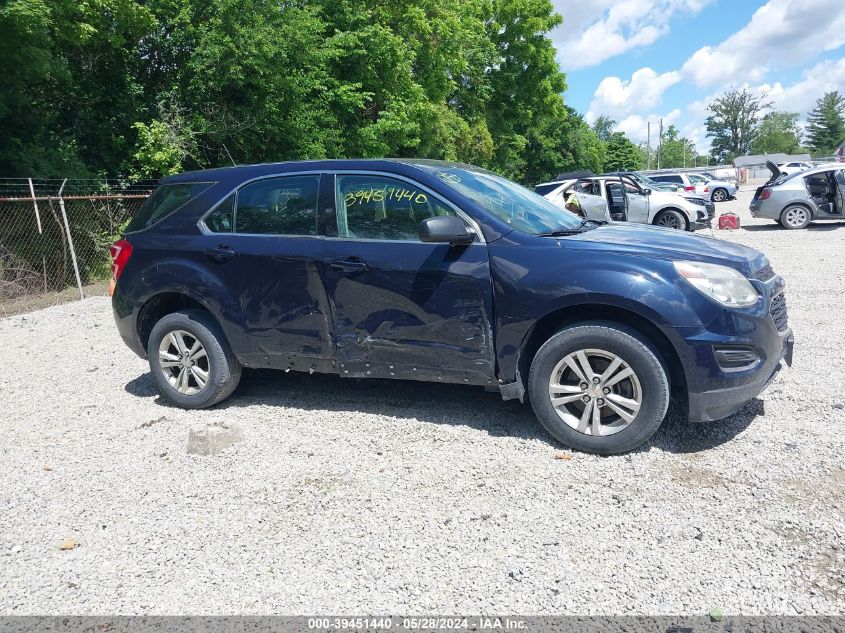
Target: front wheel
(671, 219)
(720, 195)
(191, 360)
(598, 387)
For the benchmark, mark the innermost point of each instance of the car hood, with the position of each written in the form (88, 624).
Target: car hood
(667, 244)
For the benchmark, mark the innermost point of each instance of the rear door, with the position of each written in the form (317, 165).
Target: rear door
(840, 192)
(403, 308)
(264, 243)
(593, 205)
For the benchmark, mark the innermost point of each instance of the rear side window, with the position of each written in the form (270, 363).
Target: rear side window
(222, 218)
(278, 206)
(164, 201)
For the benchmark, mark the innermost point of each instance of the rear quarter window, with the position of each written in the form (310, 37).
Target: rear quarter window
(165, 200)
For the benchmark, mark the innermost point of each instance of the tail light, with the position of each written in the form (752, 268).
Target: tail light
(765, 194)
(120, 252)
(689, 188)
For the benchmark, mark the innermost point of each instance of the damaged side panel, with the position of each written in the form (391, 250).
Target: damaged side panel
(415, 311)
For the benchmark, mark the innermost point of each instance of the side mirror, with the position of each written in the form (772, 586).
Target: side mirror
(446, 229)
(646, 192)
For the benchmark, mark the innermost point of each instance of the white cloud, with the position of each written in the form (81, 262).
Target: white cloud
(616, 97)
(801, 96)
(594, 31)
(635, 126)
(780, 34)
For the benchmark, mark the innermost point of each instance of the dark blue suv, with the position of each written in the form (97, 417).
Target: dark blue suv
(437, 271)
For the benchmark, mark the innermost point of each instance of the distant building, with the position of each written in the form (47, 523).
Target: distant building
(840, 153)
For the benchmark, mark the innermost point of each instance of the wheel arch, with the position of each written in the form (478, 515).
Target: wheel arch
(684, 213)
(164, 303)
(558, 319)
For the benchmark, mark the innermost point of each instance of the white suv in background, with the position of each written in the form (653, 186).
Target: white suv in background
(684, 181)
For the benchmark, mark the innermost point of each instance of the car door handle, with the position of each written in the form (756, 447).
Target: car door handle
(349, 265)
(221, 254)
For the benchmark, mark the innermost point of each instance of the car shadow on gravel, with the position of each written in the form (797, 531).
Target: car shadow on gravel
(764, 228)
(678, 435)
(436, 403)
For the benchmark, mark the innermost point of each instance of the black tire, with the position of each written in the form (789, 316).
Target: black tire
(719, 195)
(671, 219)
(788, 219)
(223, 368)
(627, 345)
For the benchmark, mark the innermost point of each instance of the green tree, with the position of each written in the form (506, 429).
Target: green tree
(826, 124)
(675, 150)
(69, 94)
(778, 132)
(622, 154)
(732, 123)
(603, 126)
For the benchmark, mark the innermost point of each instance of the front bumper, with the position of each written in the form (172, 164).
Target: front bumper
(759, 336)
(707, 406)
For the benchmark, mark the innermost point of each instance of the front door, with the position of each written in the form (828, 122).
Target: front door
(263, 243)
(403, 308)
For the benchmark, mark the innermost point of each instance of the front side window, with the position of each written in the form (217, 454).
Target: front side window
(523, 209)
(381, 208)
(278, 206)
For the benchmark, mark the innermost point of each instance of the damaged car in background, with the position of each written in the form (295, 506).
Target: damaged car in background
(629, 201)
(796, 200)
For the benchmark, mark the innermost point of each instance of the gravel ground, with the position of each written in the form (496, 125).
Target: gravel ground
(379, 497)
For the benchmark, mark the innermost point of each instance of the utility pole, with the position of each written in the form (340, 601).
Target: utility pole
(648, 148)
(659, 144)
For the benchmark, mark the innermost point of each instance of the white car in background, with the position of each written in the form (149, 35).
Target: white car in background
(683, 180)
(626, 200)
(795, 167)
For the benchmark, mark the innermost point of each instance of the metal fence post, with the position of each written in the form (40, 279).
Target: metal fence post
(70, 241)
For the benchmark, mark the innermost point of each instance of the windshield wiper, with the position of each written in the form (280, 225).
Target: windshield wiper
(573, 231)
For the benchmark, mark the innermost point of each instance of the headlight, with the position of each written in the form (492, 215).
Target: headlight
(723, 284)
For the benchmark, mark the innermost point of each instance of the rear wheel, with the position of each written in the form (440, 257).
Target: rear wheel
(191, 360)
(671, 219)
(720, 195)
(598, 387)
(795, 217)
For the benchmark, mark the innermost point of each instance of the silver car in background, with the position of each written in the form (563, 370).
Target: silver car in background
(720, 190)
(793, 201)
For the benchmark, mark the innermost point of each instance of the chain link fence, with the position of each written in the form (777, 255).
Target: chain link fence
(55, 237)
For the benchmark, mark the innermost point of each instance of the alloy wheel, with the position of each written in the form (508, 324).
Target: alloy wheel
(796, 217)
(669, 221)
(719, 195)
(184, 362)
(595, 392)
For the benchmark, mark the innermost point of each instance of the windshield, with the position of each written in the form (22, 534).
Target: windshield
(523, 209)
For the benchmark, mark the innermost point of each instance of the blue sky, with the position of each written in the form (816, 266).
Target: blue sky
(640, 60)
